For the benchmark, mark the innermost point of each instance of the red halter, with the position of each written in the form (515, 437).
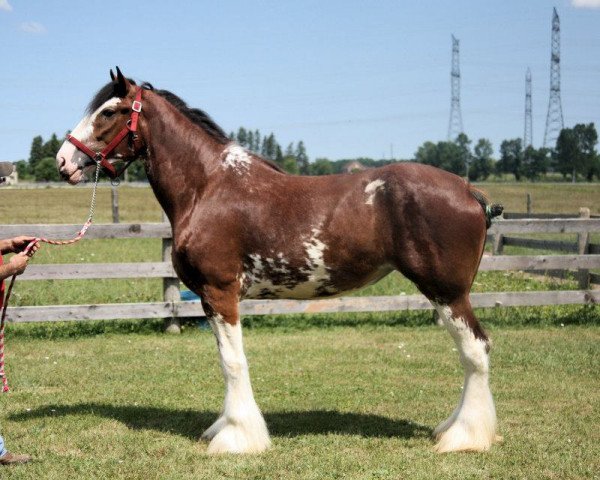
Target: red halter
(129, 128)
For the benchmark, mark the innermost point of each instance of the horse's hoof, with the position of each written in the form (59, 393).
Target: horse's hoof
(235, 439)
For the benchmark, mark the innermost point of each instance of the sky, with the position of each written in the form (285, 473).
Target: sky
(350, 78)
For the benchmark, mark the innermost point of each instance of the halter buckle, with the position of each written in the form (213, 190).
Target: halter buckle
(136, 106)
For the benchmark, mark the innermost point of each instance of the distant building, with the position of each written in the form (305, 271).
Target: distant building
(13, 178)
(353, 166)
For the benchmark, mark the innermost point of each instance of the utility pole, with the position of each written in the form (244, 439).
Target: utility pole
(554, 119)
(528, 130)
(455, 126)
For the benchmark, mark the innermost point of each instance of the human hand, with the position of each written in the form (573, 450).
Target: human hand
(19, 262)
(18, 244)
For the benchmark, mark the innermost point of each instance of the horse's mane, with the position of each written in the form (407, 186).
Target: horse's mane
(195, 115)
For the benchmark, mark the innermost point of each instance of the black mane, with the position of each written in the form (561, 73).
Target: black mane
(195, 115)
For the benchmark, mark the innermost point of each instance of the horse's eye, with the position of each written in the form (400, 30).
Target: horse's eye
(108, 113)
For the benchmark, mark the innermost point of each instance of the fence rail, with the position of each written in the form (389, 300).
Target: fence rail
(172, 308)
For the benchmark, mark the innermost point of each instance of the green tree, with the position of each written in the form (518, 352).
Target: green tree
(269, 147)
(321, 166)
(463, 142)
(511, 158)
(23, 170)
(482, 164)
(136, 172)
(51, 147)
(45, 170)
(428, 154)
(302, 158)
(535, 162)
(242, 137)
(290, 165)
(36, 153)
(575, 151)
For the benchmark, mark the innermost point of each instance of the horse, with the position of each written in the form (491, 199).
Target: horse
(245, 229)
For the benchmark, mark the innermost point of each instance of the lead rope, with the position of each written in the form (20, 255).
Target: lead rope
(28, 251)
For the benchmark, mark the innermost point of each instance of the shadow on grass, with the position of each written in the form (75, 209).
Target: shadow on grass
(191, 423)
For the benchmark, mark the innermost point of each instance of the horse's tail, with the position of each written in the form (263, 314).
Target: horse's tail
(490, 211)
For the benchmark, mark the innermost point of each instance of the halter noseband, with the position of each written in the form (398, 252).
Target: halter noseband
(129, 128)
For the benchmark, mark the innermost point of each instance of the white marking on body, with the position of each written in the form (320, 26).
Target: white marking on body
(241, 427)
(371, 190)
(237, 159)
(288, 286)
(472, 425)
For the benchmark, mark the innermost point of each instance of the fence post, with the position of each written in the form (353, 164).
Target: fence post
(528, 204)
(498, 244)
(583, 246)
(170, 286)
(114, 195)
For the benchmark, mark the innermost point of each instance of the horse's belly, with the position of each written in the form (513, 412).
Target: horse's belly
(294, 289)
(326, 284)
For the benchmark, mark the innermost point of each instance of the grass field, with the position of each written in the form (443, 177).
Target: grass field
(345, 395)
(354, 403)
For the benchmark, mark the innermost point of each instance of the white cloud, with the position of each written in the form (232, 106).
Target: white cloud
(4, 5)
(34, 28)
(585, 3)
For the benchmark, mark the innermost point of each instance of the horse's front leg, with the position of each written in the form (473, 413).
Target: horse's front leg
(241, 427)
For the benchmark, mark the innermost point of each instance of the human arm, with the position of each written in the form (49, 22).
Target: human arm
(16, 266)
(17, 244)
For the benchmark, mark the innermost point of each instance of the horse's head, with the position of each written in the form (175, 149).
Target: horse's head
(105, 134)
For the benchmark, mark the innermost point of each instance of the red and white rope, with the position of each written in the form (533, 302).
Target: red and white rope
(28, 251)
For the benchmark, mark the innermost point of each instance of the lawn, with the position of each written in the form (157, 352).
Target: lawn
(340, 403)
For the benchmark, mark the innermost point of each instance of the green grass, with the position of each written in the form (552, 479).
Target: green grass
(340, 403)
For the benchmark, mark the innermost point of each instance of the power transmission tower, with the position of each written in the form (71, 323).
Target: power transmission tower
(554, 119)
(455, 125)
(528, 131)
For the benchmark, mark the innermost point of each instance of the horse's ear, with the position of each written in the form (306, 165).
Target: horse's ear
(122, 84)
(112, 75)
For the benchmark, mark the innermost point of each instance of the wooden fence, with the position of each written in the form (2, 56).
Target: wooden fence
(171, 308)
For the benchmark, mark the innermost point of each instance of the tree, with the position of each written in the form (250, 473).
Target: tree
(23, 171)
(428, 154)
(302, 158)
(269, 147)
(575, 151)
(463, 142)
(447, 155)
(535, 162)
(45, 170)
(511, 158)
(290, 165)
(321, 166)
(242, 137)
(36, 153)
(482, 164)
(51, 147)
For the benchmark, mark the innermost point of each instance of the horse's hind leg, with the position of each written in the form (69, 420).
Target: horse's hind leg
(472, 425)
(241, 427)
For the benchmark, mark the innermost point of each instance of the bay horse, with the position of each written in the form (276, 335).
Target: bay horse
(243, 228)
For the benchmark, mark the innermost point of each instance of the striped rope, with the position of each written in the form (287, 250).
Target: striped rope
(28, 251)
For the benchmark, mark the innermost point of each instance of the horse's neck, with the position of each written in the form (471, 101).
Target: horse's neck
(180, 155)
